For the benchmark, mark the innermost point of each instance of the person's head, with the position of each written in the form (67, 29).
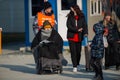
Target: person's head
(47, 25)
(75, 9)
(48, 8)
(107, 18)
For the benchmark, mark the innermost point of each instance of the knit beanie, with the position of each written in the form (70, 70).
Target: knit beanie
(47, 24)
(47, 5)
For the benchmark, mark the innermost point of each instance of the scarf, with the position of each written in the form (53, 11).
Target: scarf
(45, 34)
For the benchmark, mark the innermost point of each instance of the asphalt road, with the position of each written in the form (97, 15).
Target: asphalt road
(19, 66)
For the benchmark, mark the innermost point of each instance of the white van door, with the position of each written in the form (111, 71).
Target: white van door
(63, 8)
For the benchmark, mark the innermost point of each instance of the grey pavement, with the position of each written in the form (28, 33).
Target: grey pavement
(11, 48)
(15, 65)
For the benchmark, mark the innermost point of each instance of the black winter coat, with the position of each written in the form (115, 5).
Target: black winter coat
(113, 35)
(71, 25)
(52, 50)
(112, 52)
(97, 46)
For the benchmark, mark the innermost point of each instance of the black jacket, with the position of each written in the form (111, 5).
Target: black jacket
(71, 25)
(51, 50)
(113, 33)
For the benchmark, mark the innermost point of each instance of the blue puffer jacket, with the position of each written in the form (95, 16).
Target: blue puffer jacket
(97, 46)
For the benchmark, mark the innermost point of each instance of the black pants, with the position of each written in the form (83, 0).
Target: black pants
(75, 50)
(112, 55)
(96, 63)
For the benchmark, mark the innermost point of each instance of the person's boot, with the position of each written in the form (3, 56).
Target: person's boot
(99, 77)
(90, 69)
(95, 75)
(87, 69)
(117, 67)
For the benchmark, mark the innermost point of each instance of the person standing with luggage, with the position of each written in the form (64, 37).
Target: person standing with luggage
(76, 29)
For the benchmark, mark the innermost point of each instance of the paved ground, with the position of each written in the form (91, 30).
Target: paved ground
(15, 65)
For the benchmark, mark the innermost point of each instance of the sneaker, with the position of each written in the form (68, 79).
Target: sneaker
(74, 69)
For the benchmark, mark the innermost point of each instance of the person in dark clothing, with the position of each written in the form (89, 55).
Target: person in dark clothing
(97, 46)
(116, 13)
(112, 54)
(97, 50)
(77, 28)
(49, 45)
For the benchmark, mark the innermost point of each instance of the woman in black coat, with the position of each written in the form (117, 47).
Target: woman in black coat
(76, 29)
(112, 52)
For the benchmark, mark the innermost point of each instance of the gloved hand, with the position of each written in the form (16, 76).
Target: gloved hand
(45, 42)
